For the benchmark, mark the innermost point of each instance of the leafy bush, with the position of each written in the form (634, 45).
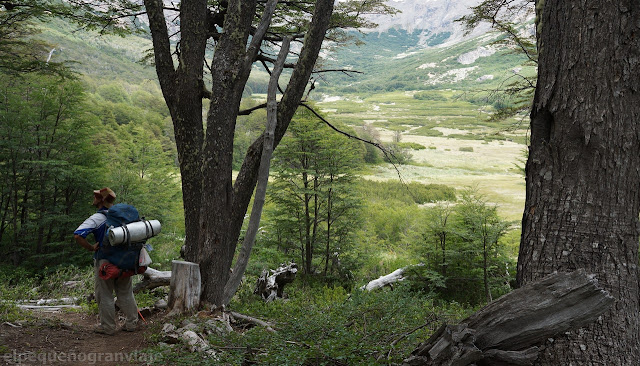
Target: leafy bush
(327, 326)
(396, 154)
(433, 96)
(412, 192)
(411, 145)
(466, 149)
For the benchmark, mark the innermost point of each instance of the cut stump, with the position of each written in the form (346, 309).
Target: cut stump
(184, 291)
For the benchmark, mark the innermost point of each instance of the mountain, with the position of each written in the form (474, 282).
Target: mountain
(429, 18)
(424, 48)
(420, 48)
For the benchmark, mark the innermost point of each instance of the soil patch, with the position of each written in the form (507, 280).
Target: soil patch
(66, 338)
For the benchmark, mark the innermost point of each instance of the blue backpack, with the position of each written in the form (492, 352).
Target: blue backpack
(125, 257)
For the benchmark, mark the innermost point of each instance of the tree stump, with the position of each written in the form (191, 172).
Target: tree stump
(271, 286)
(509, 330)
(184, 290)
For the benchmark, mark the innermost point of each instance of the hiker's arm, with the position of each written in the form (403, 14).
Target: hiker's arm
(85, 244)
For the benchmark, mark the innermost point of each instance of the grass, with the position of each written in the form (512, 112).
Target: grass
(464, 148)
(321, 325)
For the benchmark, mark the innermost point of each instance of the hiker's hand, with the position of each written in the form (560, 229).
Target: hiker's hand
(95, 247)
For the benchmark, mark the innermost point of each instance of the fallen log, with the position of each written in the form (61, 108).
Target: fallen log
(386, 280)
(153, 278)
(253, 321)
(509, 330)
(48, 308)
(271, 286)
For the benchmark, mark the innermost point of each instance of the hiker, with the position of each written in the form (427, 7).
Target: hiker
(103, 199)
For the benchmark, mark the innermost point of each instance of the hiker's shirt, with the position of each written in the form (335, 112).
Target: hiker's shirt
(95, 225)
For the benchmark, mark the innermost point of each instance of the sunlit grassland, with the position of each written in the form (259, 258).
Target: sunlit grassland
(399, 110)
(463, 148)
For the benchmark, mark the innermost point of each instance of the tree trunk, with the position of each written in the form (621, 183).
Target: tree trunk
(182, 91)
(215, 206)
(184, 292)
(582, 200)
(263, 177)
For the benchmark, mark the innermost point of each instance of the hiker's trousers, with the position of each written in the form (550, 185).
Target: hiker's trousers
(106, 305)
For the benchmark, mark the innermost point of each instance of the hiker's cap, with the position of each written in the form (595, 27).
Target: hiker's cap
(105, 194)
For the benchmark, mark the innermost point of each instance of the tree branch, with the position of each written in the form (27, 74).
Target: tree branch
(260, 32)
(162, 49)
(247, 112)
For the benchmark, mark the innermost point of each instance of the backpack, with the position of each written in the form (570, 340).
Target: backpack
(125, 257)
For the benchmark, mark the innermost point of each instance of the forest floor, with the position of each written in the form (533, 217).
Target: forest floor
(67, 338)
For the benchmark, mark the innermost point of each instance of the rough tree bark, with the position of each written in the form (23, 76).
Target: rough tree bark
(212, 229)
(263, 176)
(583, 171)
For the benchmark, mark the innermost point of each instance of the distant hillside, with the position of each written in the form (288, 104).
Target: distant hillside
(421, 48)
(99, 56)
(399, 59)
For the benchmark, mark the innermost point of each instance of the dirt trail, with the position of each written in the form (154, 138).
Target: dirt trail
(66, 338)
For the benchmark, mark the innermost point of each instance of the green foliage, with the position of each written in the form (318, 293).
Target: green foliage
(372, 154)
(248, 128)
(411, 145)
(412, 192)
(396, 154)
(466, 149)
(394, 224)
(113, 92)
(314, 211)
(434, 96)
(60, 143)
(462, 243)
(47, 157)
(322, 325)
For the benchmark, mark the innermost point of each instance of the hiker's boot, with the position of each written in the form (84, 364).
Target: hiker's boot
(130, 328)
(103, 330)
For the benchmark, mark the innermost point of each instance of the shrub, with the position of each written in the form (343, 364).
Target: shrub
(466, 149)
(411, 145)
(433, 96)
(320, 325)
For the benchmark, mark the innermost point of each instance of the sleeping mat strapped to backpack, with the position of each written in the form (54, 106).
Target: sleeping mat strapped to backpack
(125, 256)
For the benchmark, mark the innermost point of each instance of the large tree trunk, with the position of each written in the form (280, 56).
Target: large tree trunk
(226, 203)
(583, 170)
(263, 177)
(182, 90)
(214, 206)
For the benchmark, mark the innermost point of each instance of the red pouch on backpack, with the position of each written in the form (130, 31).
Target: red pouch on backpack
(108, 271)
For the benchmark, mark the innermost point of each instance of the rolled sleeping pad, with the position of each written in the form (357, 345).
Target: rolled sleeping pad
(134, 232)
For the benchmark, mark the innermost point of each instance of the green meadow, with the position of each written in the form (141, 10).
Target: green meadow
(462, 148)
